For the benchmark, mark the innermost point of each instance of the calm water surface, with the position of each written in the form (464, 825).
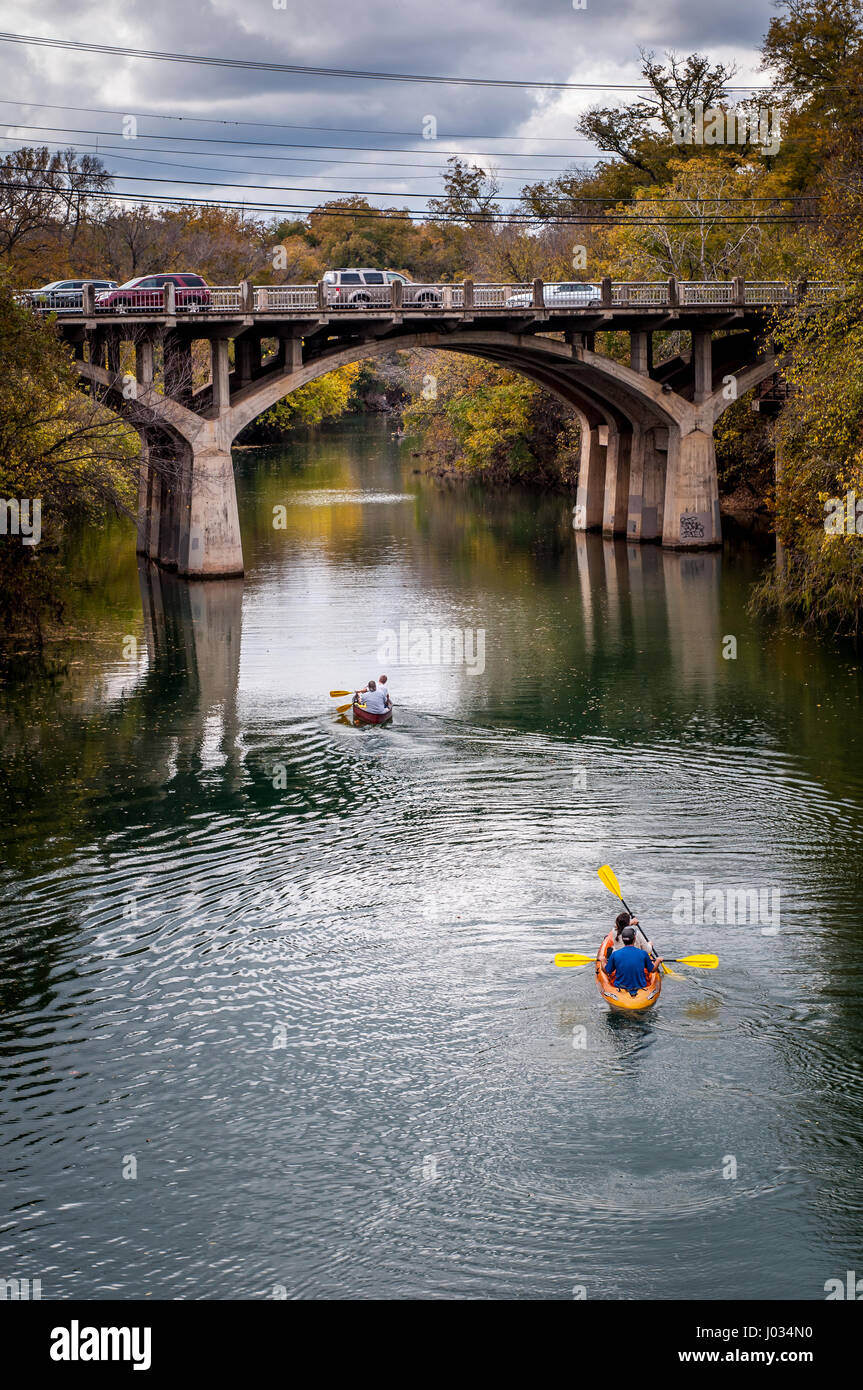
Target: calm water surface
(298, 976)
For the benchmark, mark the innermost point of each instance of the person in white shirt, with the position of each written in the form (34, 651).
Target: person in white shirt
(382, 682)
(623, 920)
(374, 700)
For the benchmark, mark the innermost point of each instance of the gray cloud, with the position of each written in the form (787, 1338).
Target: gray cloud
(546, 39)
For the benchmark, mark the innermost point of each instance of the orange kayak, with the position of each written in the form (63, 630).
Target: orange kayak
(621, 998)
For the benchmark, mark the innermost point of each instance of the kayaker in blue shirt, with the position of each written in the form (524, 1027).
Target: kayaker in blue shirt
(629, 967)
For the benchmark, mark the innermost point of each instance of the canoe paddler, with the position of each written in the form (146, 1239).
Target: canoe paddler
(382, 684)
(372, 699)
(630, 967)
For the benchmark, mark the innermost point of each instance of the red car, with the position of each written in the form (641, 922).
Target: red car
(147, 292)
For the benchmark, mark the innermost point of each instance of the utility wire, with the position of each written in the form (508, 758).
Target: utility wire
(405, 215)
(257, 65)
(280, 125)
(301, 144)
(362, 192)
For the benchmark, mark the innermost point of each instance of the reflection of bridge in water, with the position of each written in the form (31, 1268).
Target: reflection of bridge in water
(648, 467)
(193, 636)
(192, 633)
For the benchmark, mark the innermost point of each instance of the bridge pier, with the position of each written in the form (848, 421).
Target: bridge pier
(691, 515)
(641, 351)
(647, 469)
(209, 541)
(616, 500)
(590, 497)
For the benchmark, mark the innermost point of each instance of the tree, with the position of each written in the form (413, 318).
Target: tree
(687, 231)
(350, 232)
(815, 51)
(640, 133)
(59, 449)
(469, 193)
(39, 190)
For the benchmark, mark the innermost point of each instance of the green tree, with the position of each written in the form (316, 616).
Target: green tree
(58, 448)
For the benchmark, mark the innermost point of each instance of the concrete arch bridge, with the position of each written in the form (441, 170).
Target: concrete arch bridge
(648, 467)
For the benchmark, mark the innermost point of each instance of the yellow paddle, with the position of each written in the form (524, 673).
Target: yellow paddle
(340, 709)
(698, 962)
(609, 879)
(336, 693)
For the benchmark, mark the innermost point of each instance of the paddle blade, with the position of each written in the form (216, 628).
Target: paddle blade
(705, 962)
(666, 970)
(607, 875)
(334, 694)
(340, 709)
(572, 958)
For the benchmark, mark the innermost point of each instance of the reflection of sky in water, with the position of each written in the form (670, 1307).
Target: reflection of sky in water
(327, 497)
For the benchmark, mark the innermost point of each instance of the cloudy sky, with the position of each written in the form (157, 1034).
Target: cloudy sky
(292, 139)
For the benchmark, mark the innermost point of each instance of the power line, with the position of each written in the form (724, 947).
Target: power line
(280, 125)
(303, 145)
(257, 65)
(405, 215)
(300, 145)
(362, 192)
(203, 168)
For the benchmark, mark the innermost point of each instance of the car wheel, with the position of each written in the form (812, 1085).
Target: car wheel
(429, 301)
(121, 306)
(361, 299)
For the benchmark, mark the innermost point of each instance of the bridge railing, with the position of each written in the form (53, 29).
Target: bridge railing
(428, 296)
(768, 292)
(358, 296)
(285, 297)
(414, 297)
(639, 292)
(70, 301)
(501, 296)
(820, 293)
(224, 299)
(706, 291)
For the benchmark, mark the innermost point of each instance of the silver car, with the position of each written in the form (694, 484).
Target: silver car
(66, 296)
(572, 294)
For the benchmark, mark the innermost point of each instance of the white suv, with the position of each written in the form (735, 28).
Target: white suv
(361, 287)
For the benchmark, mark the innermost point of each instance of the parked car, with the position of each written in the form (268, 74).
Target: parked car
(574, 294)
(362, 286)
(147, 292)
(65, 296)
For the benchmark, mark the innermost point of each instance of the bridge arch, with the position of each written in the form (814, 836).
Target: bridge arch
(647, 459)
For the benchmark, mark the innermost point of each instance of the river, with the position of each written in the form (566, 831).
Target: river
(278, 1009)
